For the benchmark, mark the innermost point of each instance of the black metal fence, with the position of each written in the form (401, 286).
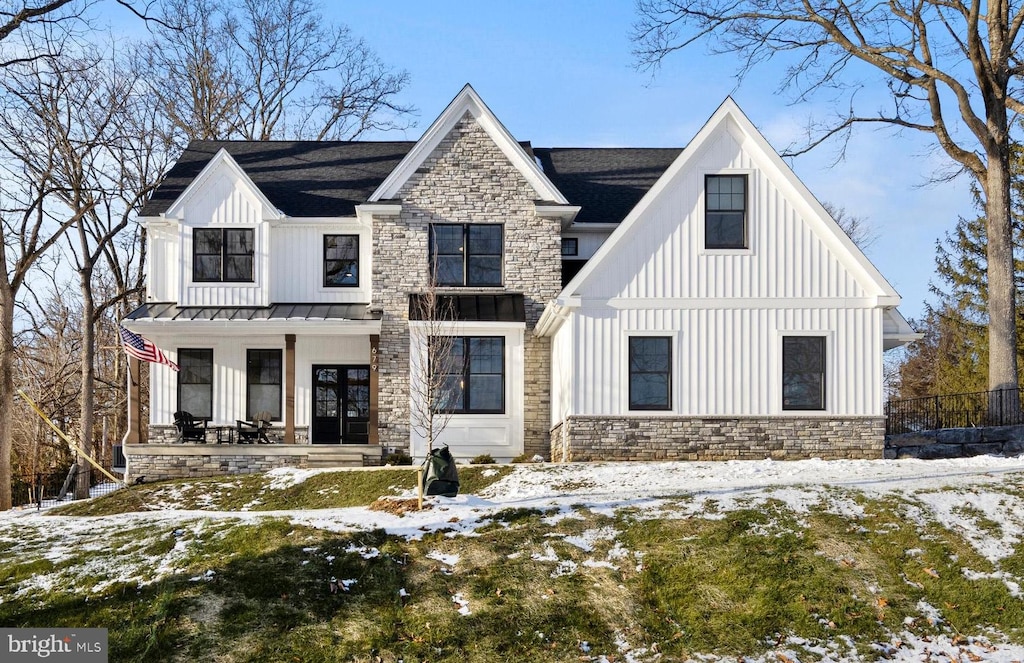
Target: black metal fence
(982, 408)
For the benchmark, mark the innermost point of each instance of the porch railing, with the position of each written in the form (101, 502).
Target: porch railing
(980, 408)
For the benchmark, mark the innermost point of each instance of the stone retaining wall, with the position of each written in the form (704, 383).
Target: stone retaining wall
(156, 462)
(583, 438)
(956, 443)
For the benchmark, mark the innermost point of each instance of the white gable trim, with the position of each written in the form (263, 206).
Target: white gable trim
(468, 101)
(221, 161)
(729, 117)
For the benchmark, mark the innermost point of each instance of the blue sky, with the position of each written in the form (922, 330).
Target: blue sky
(561, 74)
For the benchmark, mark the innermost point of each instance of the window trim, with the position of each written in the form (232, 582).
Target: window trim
(432, 256)
(180, 351)
(466, 340)
(747, 243)
(358, 261)
(670, 400)
(223, 255)
(575, 247)
(826, 342)
(248, 383)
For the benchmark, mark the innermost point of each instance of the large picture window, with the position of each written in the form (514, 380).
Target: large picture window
(263, 383)
(650, 373)
(472, 372)
(341, 261)
(466, 254)
(222, 254)
(195, 382)
(803, 373)
(725, 211)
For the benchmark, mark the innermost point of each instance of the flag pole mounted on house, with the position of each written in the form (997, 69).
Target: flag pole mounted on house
(143, 349)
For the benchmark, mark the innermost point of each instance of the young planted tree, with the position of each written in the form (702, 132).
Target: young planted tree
(267, 69)
(951, 70)
(436, 375)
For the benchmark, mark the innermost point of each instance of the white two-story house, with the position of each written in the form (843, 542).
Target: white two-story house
(602, 303)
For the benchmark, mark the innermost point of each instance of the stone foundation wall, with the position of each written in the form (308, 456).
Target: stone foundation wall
(588, 438)
(158, 462)
(957, 443)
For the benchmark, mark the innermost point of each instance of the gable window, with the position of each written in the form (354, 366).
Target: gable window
(650, 373)
(467, 254)
(195, 382)
(222, 254)
(472, 375)
(803, 372)
(341, 261)
(570, 246)
(725, 211)
(263, 383)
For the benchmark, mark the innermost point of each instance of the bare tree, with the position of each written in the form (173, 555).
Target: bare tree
(952, 70)
(434, 376)
(857, 228)
(266, 69)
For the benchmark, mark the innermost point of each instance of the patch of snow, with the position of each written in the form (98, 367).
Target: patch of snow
(463, 604)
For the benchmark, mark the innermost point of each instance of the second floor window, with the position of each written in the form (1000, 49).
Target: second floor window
(725, 212)
(466, 254)
(341, 261)
(222, 254)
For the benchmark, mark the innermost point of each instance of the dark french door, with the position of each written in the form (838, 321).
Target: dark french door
(341, 404)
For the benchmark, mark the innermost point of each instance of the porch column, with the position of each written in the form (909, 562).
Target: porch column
(131, 436)
(374, 389)
(289, 388)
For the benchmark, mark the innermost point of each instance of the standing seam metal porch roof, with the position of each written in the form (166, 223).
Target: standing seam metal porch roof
(165, 311)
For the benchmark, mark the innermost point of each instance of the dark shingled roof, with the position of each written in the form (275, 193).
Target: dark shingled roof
(300, 178)
(607, 182)
(329, 178)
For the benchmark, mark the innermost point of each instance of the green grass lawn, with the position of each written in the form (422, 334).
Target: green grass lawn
(531, 587)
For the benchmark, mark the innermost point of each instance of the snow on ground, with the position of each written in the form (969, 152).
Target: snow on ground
(964, 495)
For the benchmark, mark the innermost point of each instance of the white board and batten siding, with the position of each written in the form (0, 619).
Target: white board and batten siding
(726, 311)
(297, 265)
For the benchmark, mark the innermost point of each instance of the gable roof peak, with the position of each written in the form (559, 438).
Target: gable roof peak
(467, 100)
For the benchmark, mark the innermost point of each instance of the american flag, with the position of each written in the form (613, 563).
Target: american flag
(143, 349)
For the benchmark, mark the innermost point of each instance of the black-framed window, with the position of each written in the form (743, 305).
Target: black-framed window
(570, 246)
(650, 373)
(466, 254)
(725, 211)
(341, 261)
(195, 382)
(472, 372)
(263, 383)
(803, 372)
(222, 254)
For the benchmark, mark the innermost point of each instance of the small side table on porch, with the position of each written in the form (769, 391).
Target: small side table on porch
(225, 434)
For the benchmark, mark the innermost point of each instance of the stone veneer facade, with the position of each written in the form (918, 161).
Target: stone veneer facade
(588, 438)
(466, 179)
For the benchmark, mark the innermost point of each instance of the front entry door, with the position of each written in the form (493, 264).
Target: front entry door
(341, 404)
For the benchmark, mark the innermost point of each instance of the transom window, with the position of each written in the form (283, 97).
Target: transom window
(222, 254)
(467, 254)
(725, 211)
(803, 373)
(650, 373)
(341, 261)
(195, 382)
(263, 383)
(472, 375)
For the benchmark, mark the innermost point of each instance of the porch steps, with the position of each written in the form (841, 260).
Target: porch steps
(342, 455)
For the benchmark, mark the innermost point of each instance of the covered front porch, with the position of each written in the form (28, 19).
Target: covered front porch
(311, 368)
